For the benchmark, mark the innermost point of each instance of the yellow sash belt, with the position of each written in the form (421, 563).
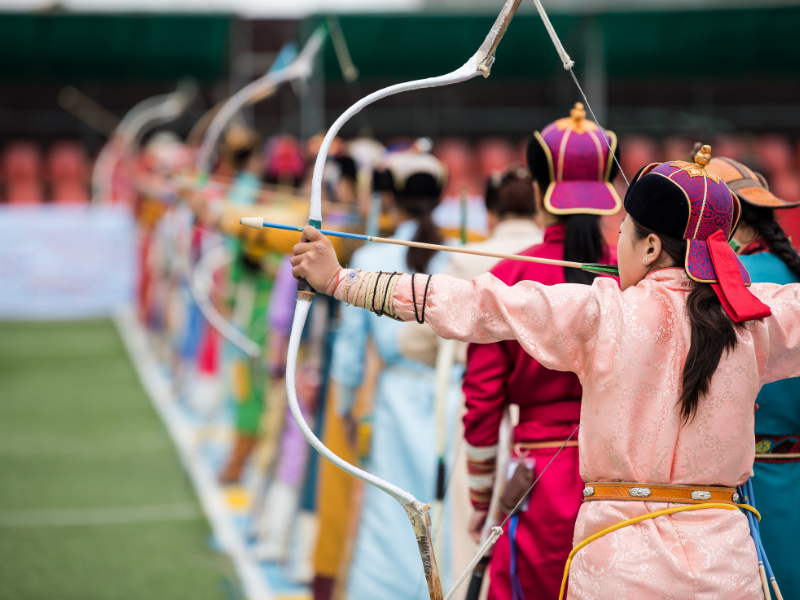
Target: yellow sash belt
(653, 515)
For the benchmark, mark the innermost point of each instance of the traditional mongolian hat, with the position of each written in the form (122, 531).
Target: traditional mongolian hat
(573, 154)
(748, 185)
(690, 201)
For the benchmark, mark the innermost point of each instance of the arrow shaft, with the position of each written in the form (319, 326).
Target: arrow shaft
(437, 247)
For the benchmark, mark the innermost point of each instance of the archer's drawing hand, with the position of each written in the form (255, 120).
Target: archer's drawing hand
(315, 261)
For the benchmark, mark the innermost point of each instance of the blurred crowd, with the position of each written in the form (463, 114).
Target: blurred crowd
(217, 299)
(60, 172)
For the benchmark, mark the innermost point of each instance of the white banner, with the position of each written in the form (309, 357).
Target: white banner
(61, 262)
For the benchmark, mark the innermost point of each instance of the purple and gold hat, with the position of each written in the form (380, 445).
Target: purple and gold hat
(689, 201)
(580, 164)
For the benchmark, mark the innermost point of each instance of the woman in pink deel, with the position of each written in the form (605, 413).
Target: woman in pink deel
(670, 366)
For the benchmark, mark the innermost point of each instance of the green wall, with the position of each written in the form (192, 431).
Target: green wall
(80, 48)
(684, 44)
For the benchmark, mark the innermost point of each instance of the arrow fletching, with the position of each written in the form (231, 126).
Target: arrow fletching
(598, 269)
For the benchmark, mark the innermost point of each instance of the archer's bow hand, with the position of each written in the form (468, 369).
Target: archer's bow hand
(315, 261)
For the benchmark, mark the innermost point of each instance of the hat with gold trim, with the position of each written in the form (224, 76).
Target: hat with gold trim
(573, 155)
(690, 201)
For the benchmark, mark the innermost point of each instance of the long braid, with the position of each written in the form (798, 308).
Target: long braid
(763, 221)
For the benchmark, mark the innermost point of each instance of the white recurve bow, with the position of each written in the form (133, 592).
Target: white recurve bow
(479, 64)
(143, 117)
(263, 87)
(260, 89)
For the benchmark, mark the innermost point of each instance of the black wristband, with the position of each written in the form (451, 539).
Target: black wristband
(386, 293)
(375, 293)
(424, 296)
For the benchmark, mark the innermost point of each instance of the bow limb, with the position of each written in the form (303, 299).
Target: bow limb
(468, 71)
(147, 114)
(261, 88)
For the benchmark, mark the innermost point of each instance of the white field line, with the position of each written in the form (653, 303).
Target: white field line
(112, 515)
(211, 498)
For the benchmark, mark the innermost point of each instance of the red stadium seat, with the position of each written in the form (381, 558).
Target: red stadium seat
(731, 146)
(22, 167)
(678, 148)
(636, 151)
(24, 192)
(66, 160)
(459, 157)
(67, 169)
(775, 155)
(495, 154)
(70, 192)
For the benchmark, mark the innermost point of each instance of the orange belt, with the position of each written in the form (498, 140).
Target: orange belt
(658, 492)
(520, 447)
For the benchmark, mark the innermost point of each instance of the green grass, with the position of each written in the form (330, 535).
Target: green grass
(77, 432)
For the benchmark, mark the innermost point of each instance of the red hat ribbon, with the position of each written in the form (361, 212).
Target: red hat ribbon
(739, 302)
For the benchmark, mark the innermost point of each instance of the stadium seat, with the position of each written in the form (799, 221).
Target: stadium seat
(22, 168)
(679, 148)
(495, 154)
(458, 155)
(636, 152)
(775, 155)
(67, 171)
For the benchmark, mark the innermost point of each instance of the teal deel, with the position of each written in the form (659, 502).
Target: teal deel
(779, 402)
(776, 485)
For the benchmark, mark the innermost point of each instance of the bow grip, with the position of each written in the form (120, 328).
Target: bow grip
(304, 290)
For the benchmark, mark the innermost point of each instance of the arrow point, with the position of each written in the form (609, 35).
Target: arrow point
(254, 222)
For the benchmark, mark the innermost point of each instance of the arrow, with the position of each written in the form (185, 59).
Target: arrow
(259, 223)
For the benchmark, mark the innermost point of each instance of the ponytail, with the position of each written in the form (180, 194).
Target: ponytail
(762, 219)
(583, 242)
(712, 331)
(421, 210)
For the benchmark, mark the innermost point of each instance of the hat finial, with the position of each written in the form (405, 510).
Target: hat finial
(703, 157)
(577, 113)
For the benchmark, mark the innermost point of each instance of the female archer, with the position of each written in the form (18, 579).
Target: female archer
(402, 419)
(769, 256)
(670, 365)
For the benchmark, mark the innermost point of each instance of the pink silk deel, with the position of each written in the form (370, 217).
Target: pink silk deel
(628, 350)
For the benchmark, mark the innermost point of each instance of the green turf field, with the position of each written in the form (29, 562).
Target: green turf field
(94, 504)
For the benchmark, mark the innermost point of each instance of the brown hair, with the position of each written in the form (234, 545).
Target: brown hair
(511, 193)
(713, 332)
(421, 210)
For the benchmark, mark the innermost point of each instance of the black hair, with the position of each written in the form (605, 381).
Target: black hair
(419, 196)
(240, 157)
(583, 243)
(347, 166)
(762, 219)
(712, 330)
